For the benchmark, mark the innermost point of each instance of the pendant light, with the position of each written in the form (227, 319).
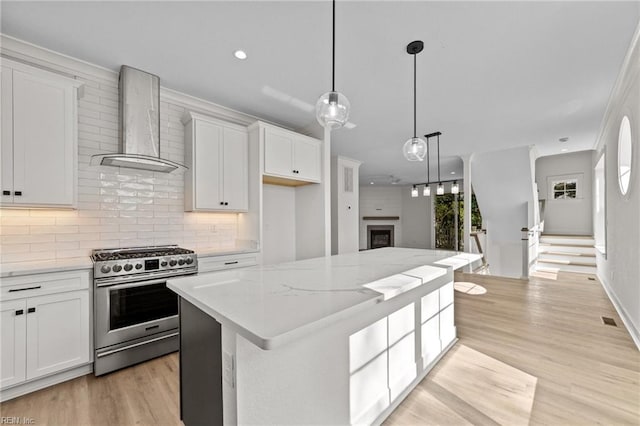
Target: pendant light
(455, 188)
(332, 108)
(414, 191)
(415, 148)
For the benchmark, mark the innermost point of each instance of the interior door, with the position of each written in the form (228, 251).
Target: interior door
(57, 332)
(43, 140)
(278, 153)
(206, 162)
(13, 333)
(235, 169)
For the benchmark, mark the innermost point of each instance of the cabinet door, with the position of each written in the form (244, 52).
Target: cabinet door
(431, 345)
(43, 140)
(306, 159)
(278, 153)
(207, 173)
(6, 136)
(447, 326)
(235, 169)
(12, 342)
(57, 332)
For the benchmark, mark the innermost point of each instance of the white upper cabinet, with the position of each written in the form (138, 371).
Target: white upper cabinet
(291, 155)
(216, 153)
(38, 149)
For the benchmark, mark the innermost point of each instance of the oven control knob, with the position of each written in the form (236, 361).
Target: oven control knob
(189, 260)
(128, 267)
(172, 262)
(180, 262)
(105, 269)
(117, 268)
(163, 263)
(138, 265)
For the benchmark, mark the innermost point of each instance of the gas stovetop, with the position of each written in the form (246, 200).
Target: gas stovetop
(143, 260)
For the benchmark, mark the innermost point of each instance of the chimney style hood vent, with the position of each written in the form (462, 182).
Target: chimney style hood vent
(139, 146)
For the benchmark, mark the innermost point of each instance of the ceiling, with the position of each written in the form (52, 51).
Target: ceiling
(493, 75)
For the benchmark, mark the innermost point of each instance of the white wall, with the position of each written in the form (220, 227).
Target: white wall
(571, 216)
(416, 220)
(278, 224)
(415, 226)
(503, 184)
(380, 201)
(117, 207)
(619, 271)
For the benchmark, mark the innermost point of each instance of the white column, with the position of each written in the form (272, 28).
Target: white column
(326, 182)
(467, 201)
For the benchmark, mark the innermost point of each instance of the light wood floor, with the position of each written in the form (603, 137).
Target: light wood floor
(532, 352)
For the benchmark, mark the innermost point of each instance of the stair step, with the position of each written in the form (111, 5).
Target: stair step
(566, 248)
(558, 261)
(567, 240)
(568, 236)
(568, 253)
(554, 268)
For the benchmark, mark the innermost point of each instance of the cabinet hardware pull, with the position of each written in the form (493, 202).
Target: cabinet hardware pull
(17, 193)
(152, 327)
(6, 192)
(12, 290)
(19, 312)
(31, 310)
(222, 203)
(226, 204)
(231, 263)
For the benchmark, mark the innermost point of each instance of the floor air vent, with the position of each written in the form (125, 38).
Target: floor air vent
(609, 321)
(591, 278)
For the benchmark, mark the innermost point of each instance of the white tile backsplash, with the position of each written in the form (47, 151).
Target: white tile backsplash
(117, 207)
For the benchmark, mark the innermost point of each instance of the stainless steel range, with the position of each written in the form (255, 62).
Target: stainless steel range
(135, 314)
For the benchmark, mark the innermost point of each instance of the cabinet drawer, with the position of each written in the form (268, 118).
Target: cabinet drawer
(41, 284)
(217, 263)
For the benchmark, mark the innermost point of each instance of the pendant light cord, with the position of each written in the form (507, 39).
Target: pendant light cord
(414, 95)
(428, 159)
(333, 50)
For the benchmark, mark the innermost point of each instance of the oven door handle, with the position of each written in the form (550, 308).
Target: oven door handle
(135, 345)
(135, 284)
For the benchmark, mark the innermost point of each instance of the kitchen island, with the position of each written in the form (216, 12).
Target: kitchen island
(332, 340)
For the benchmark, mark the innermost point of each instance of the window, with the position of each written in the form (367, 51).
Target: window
(624, 155)
(565, 189)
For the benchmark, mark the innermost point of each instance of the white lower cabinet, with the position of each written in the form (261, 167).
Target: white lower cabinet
(13, 329)
(431, 346)
(57, 332)
(43, 330)
(447, 326)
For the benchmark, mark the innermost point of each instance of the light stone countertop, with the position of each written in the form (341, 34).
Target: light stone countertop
(16, 269)
(275, 304)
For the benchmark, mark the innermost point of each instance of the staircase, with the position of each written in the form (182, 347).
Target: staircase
(569, 253)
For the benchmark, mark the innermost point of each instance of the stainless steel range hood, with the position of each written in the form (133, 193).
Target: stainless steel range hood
(139, 146)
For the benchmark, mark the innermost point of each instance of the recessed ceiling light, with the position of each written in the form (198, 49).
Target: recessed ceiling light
(564, 139)
(453, 173)
(240, 54)
(564, 150)
(371, 183)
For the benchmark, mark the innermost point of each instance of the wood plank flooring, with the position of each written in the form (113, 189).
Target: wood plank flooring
(533, 352)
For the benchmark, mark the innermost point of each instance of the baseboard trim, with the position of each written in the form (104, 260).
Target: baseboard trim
(44, 382)
(626, 319)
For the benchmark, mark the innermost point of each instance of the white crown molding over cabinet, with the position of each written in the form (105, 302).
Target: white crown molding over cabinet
(38, 106)
(216, 153)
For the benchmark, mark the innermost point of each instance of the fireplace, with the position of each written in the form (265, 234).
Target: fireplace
(379, 236)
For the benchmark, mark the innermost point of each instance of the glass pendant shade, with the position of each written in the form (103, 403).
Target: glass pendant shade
(332, 110)
(426, 191)
(440, 189)
(414, 191)
(414, 149)
(455, 188)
